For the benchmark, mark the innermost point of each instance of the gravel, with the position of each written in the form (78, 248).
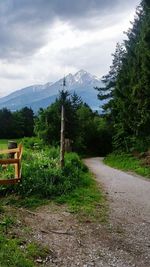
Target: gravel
(129, 223)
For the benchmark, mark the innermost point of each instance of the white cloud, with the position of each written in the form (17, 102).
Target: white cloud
(65, 47)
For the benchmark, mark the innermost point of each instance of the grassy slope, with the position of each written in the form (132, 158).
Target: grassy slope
(127, 162)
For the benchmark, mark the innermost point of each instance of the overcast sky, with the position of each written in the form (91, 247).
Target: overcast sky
(42, 40)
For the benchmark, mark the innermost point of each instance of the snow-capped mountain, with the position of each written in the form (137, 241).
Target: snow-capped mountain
(38, 96)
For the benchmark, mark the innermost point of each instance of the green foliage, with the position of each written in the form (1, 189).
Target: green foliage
(6, 123)
(47, 124)
(34, 143)
(44, 180)
(39, 174)
(42, 176)
(127, 86)
(6, 172)
(16, 124)
(31, 143)
(127, 162)
(95, 136)
(89, 132)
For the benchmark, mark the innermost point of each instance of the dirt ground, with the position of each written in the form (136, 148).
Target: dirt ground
(124, 241)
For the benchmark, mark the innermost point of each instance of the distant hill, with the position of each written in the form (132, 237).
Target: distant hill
(41, 96)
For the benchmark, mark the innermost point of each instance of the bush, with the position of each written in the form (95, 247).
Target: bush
(32, 142)
(43, 177)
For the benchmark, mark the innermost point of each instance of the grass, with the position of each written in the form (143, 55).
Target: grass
(87, 201)
(3, 143)
(127, 162)
(15, 252)
(11, 254)
(31, 202)
(43, 182)
(18, 250)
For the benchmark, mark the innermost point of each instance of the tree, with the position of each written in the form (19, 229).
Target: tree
(108, 90)
(16, 124)
(127, 86)
(27, 117)
(49, 120)
(6, 123)
(82, 126)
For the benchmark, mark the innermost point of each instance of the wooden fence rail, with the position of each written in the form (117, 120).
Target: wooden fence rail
(16, 161)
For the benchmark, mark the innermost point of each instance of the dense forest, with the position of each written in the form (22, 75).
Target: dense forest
(127, 86)
(16, 124)
(88, 131)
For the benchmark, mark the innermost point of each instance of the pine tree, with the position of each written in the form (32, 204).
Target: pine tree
(107, 92)
(127, 85)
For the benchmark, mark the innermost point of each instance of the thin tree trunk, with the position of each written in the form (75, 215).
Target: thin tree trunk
(62, 139)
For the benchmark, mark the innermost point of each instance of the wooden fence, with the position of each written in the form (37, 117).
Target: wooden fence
(16, 161)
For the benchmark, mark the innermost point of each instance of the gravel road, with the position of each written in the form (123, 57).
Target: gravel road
(129, 203)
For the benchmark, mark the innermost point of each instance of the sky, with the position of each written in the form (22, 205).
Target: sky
(43, 40)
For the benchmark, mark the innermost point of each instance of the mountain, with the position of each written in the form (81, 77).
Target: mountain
(41, 96)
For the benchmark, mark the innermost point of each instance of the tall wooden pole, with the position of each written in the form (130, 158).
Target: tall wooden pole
(62, 138)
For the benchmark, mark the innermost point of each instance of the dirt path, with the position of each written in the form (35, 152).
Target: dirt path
(123, 242)
(129, 200)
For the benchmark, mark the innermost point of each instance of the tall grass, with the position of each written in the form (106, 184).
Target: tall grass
(44, 180)
(127, 162)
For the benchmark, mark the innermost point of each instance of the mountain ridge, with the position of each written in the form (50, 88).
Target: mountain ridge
(40, 96)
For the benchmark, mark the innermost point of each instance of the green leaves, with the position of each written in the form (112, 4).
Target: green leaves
(127, 85)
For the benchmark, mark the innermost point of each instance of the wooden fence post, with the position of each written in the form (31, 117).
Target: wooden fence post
(16, 161)
(62, 137)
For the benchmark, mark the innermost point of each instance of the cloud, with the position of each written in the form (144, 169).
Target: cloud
(41, 40)
(25, 23)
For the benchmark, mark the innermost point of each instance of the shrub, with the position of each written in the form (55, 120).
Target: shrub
(32, 142)
(43, 177)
